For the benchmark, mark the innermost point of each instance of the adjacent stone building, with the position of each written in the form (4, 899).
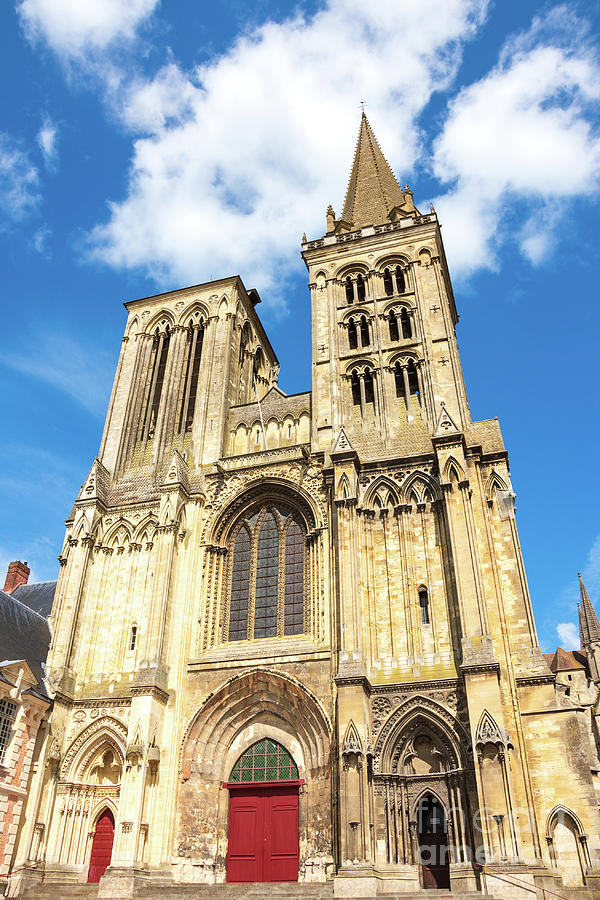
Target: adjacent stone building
(293, 640)
(24, 702)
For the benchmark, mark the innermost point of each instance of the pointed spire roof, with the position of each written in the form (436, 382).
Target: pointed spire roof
(372, 190)
(589, 626)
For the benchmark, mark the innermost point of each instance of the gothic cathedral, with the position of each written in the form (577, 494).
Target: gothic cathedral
(292, 639)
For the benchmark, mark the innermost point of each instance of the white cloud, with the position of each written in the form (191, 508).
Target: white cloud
(520, 143)
(568, 635)
(47, 139)
(81, 373)
(19, 182)
(73, 28)
(234, 160)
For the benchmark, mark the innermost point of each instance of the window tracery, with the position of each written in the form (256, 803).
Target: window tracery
(189, 376)
(155, 380)
(267, 575)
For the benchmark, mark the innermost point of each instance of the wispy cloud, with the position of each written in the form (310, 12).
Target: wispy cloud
(255, 143)
(82, 373)
(76, 28)
(19, 182)
(520, 144)
(568, 635)
(47, 139)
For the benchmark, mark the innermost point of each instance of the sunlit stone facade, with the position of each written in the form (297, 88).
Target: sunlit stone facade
(343, 587)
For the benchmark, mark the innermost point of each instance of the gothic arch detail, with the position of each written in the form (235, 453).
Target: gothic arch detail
(423, 485)
(419, 712)
(105, 730)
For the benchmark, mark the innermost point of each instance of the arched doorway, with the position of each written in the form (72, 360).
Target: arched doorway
(102, 846)
(263, 815)
(567, 843)
(433, 843)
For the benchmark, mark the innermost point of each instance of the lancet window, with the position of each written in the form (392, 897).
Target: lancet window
(358, 332)
(360, 288)
(407, 381)
(349, 290)
(394, 280)
(388, 284)
(155, 381)
(355, 288)
(267, 575)
(424, 605)
(405, 323)
(400, 283)
(190, 372)
(363, 390)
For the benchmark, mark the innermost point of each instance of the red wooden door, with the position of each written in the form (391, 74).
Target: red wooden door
(263, 834)
(102, 846)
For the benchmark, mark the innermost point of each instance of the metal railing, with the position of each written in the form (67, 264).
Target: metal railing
(519, 882)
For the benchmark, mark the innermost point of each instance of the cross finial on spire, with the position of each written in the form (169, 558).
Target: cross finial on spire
(363, 103)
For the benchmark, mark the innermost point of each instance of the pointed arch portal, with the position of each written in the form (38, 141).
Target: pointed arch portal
(102, 846)
(263, 815)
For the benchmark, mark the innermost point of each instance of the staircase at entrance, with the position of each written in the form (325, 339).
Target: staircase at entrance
(240, 891)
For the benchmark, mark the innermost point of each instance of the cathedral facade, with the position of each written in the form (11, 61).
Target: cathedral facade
(292, 638)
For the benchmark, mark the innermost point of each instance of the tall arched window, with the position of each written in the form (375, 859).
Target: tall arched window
(352, 335)
(405, 322)
(424, 604)
(360, 288)
(349, 290)
(155, 381)
(365, 339)
(394, 332)
(406, 377)
(355, 384)
(400, 284)
(190, 372)
(267, 575)
(388, 284)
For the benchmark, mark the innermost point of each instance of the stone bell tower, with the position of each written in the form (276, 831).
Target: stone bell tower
(438, 666)
(385, 358)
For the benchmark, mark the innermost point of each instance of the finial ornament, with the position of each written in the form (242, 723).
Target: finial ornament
(330, 219)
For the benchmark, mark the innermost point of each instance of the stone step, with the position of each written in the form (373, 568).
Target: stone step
(240, 891)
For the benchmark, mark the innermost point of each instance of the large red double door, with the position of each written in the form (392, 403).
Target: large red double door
(263, 833)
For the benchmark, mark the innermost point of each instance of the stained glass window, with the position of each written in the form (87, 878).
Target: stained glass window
(267, 576)
(294, 580)
(267, 579)
(266, 760)
(240, 588)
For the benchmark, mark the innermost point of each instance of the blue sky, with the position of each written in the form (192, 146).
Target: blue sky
(146, 145)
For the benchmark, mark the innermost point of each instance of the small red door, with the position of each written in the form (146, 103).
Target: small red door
(263, 833)
(102, 846)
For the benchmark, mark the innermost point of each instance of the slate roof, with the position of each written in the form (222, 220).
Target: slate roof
(24, 634)
(372, 190)
(37, 597)
(275, 403)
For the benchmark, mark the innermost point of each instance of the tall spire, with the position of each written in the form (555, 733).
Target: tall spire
(589, 626)
(373, 191)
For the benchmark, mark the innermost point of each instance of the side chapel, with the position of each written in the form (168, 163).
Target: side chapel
(307, 652)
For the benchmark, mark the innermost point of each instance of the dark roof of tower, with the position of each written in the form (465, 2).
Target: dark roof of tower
(589, 626)
(37, 597)
(24, 634)
(373, 189)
